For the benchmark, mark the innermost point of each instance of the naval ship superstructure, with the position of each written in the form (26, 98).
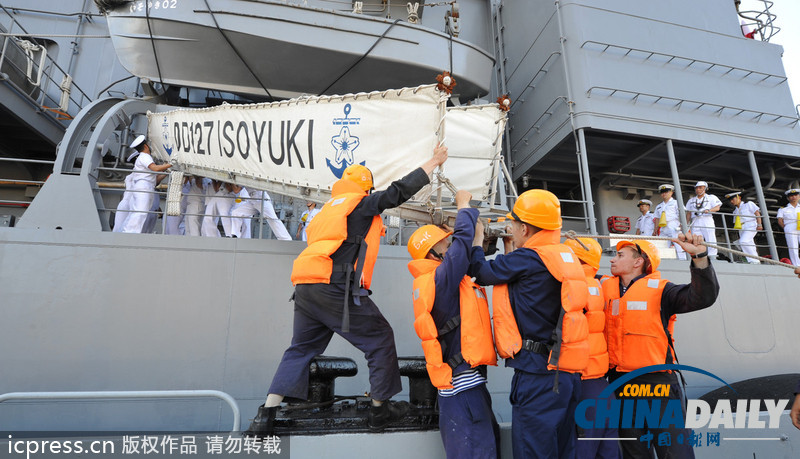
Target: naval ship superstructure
(610, 99)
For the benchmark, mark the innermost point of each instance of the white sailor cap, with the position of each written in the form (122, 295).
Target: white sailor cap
(792, 191)
(644, 201)
(731, 195)
(133, 155)
(666, 187)
(138, 141)
(701, 183)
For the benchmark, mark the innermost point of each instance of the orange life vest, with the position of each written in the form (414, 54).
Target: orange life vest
(326, 233)
(477, 347)
(634, 331)
(570, 348)
(596, 318)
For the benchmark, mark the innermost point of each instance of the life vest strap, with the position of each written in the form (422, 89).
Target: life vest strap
(451, 325)
(359, 266)
(455, 361)
(535, 346)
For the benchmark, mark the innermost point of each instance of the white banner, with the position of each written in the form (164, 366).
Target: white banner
(301, 147)
(303, 142)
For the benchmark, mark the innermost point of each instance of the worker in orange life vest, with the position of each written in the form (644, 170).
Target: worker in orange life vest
(640, 316)
(529, 316)
(452, 319)
(593, 379)
(332, 277)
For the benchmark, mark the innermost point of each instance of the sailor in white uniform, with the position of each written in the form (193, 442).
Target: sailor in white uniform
(150, 221)
(789, 219)
(749, 220)
(124, 206)
(219, 200)
(670, 224)
(196, 205)
(645, 225)
(306, 218)
(143, 185)
(699, 214)
(258, 202)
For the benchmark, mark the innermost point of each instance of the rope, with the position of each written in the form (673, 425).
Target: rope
(174, 193)
(362, 57)
(152, 42)
(236, 51)
(63, 102)
(447, 183)
(573, 235)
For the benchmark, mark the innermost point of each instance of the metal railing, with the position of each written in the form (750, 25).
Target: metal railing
(763, 21)
(685, 62)
(52, 91)
(142, 394)
(730, 240)
(693, 105)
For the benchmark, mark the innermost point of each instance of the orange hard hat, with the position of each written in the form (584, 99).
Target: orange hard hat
(644, 247)
(539, 208)
(423, 240)
(360, 175)
(590, 257)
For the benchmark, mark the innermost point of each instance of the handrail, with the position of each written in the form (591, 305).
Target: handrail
(89, 395)
(675, 59)
(679, 102)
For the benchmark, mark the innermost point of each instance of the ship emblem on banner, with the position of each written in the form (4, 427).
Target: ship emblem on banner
(165, 133)
(344, 144)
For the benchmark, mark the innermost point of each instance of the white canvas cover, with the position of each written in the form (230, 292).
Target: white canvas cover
(300, 147)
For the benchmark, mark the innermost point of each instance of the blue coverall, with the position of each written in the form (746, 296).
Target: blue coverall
(543, 420)
(466, 420)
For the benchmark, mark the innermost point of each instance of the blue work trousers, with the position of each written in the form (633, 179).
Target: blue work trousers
(676, 449)
(317, 316)
(543, 421)
(468, 426)
(597, 449)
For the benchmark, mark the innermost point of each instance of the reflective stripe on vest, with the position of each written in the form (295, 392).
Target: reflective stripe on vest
(475, 325)
(596, 318)
(326, 233)
(570, 348)
(634, 331)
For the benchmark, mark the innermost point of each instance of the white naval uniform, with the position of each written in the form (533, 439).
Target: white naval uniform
(218, 204)
(152, 216)
(673, 223)
(259, 202)
(645, 224)
(747, 214)
(196, 206)
(306, 218)
(124, 206)
(790, 216)
(173, 224)
(703, 223)
(142, 186)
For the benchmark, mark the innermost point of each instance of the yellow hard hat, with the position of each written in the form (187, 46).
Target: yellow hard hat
(539, 208)
(423, 240)
(590, 257)
(646, 248)
(359, 175)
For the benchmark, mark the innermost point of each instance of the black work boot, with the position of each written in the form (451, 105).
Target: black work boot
(263, 423)
(387, 413)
